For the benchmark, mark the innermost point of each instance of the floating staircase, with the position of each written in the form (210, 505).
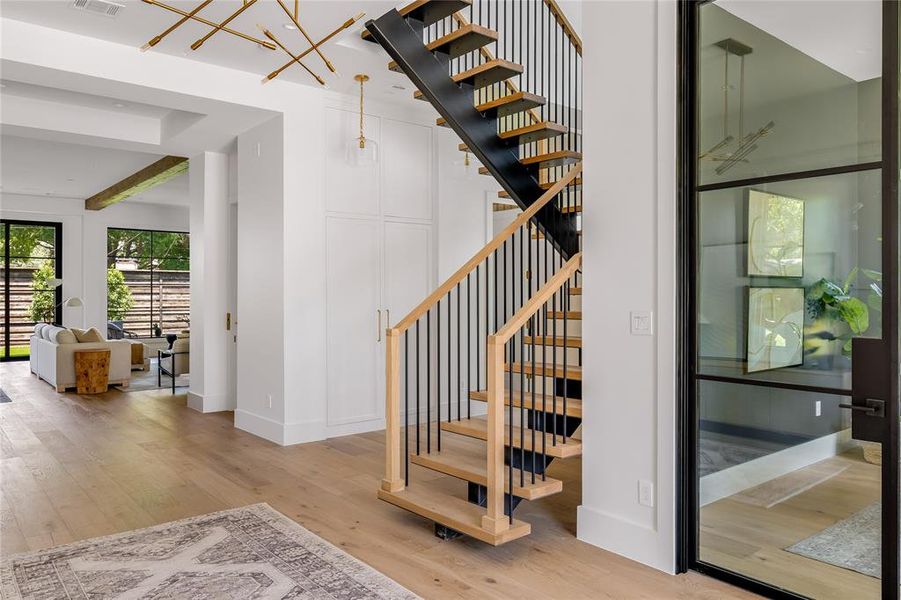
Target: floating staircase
(484, 376)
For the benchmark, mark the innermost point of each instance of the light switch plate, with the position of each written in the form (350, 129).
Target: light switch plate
(641, 322)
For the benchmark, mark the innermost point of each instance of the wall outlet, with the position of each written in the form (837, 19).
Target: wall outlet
(641, 322)
(645, 493)
(818, 408)
(269, 399)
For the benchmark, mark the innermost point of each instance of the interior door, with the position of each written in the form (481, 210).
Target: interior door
(792, 228)
(354, 320)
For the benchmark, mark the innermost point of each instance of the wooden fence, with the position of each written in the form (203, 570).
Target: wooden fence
(165, 300)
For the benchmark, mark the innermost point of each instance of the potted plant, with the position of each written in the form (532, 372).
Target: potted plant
(838, 316)
(157, 330)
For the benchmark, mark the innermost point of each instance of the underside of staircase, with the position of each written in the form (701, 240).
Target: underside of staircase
(521, 320)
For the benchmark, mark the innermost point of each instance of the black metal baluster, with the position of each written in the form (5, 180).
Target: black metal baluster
(407, 407)
(459, 372)
(449, 380)
(565, 372)
(418, 421)
(438, 372)
(478, 330)
(554, 356)
(428, 381)
(510, 419)
(469, 336)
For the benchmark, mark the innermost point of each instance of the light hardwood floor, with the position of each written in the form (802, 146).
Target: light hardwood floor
(751, 539)
(76, 467)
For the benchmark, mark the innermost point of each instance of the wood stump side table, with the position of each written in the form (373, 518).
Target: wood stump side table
(92, 371)
(137, 357)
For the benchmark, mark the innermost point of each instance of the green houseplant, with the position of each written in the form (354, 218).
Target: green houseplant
(833, 303)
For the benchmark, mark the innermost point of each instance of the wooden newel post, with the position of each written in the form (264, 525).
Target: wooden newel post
(495, 520)
(393, 481)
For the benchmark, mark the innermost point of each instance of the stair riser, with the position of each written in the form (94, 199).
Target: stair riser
(478, 494)
(563, 424)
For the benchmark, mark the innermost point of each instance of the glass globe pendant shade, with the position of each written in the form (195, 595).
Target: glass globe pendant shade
(466, 167)
(362, 152)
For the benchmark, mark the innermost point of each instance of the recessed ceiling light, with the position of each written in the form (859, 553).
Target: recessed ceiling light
(398, 87)
(69, 179)
(290, 26)
(119, 105)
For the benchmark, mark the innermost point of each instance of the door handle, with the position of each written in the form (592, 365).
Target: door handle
(378, 336)
(873, 408)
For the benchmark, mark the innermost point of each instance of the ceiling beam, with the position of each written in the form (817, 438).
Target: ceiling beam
(150, 176)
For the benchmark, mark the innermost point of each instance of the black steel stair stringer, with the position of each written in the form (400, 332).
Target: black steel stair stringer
(479, 132)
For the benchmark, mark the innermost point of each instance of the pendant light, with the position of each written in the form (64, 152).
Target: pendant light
(362, 151)
(466, 167)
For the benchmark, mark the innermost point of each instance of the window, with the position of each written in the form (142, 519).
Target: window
(148, 282)
(30, 257)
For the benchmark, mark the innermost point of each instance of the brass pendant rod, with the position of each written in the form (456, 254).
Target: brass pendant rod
(219, 27)
(300, 28)
(297, 9)
(272, 37)
(362, 79)
(153, 42)
(340, 28)
(199, 19)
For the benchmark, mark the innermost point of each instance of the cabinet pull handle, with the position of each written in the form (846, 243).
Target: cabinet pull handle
(378, 337)
(387, 318)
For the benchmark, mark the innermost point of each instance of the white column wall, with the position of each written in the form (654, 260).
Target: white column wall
(629, 256)
(209, 278)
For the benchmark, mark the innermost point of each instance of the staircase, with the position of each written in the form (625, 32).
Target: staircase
(484, 375)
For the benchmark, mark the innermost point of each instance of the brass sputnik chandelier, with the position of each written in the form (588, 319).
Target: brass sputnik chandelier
(271, 43)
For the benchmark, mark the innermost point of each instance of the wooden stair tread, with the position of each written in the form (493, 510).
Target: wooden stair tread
(454, 512)
(570, 314)
(470, 464)
(573, 405)
(546, 161)
(576, 185)
(540, 236)
(575, 291)
(427, 11)
(491, 72)
(477, 428)
(571, 341)
(573, 372)
(506, 105)
(461, 41)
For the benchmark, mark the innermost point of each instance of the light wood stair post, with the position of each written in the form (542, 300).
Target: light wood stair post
(495, 521)
(393, 481)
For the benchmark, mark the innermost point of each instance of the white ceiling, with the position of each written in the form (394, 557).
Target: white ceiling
(845, 35)
(138, 22)
(37, 167)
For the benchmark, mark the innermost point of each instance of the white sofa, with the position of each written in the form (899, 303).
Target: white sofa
(54, 362)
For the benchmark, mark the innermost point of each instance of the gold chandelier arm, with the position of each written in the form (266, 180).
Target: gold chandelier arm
(272, 37)
(217, 28)
(156, 40)
(199, 19)
(338, 30)
(300, 28)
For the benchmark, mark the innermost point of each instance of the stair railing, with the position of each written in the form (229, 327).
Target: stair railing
(537, 35)
(447, 333)
(520, 332)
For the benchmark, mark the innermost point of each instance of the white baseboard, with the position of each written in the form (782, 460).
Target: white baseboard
(209, 403)
(624, 537)
(264, 427)
(733, 480)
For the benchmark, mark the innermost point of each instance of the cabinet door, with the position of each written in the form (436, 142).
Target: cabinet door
(352, 190)
(353, 277)
(406, 170)
(408, 267)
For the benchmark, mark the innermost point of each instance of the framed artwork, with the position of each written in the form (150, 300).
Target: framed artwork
(775, 328)
(775, 235)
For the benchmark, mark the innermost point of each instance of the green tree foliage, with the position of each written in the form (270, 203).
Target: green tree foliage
(27, 243)
(167, 251)
(43, 302)
(118, 296)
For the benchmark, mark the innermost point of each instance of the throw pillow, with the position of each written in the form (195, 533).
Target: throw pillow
(64, 336)
(79, 334)
(92, 335)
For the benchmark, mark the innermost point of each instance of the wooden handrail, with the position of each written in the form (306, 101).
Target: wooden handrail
(485, 252)
(568, 29)
(494, 519)
(551, 287)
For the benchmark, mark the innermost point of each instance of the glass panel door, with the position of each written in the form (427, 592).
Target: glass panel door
(792, 320)
(30, 260)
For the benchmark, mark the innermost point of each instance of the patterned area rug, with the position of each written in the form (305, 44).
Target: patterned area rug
(718, 452)
(245, 553)
(853, 543)
(141, 381)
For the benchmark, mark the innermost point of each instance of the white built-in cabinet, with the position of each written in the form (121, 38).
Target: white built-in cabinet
(379, 257)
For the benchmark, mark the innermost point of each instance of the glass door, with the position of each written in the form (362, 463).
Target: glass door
(30, 259)
(791, 312)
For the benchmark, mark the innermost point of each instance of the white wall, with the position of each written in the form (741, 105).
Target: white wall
(84, 243)
(629, 223)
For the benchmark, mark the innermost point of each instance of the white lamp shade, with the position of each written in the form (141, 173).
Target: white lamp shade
(73, 302)
(363, 154)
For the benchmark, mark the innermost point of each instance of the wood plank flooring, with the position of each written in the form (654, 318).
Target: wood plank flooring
(75, 467)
